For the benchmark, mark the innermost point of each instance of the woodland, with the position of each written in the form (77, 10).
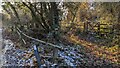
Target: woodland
(58, 34)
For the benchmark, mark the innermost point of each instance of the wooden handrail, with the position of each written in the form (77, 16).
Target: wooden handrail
(56, 46)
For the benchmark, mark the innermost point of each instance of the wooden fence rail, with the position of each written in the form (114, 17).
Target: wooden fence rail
(96, 27)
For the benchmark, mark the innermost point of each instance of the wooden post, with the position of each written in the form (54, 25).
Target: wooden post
(85, 27)
(37, 55)
(98, 28)
(55, 54)
(113, 29)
